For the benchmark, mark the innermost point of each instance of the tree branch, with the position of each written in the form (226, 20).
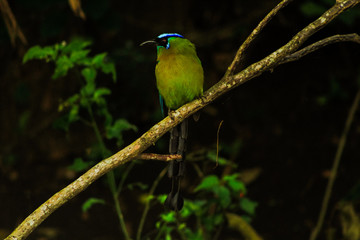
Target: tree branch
(322, 43)
(228, 82)
(160, 157)
(240, 53)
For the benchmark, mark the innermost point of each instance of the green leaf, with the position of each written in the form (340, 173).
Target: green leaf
(78, 56)
(311, 9)
(90, 202)
(168, 217)
(37, 52)
(99, 93)
(76, 45)
(63, 64)
(139, 185)
(99, 61)
(194, 235)
(115, 131)
(161, 198)
(235, 184)
(220, 160)
(193, 207)
(350, 17)
(109, 68)
(248, 206)
(208, 183)
(74, 113)
(79, 165)
(224, 196)
(89, 74)
(88, 89)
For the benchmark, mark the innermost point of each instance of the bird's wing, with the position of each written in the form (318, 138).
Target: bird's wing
(161, 105)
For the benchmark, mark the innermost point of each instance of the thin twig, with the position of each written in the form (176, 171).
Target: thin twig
(217, 144)
(124, 176)
(335, 167)
(159, 157)
(152, 135)
(240, 53)
(147, 204)
(353, 37)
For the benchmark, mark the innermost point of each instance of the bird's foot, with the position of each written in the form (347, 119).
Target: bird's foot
(171, 114)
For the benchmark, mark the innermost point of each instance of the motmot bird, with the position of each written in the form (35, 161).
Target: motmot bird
(179, 79)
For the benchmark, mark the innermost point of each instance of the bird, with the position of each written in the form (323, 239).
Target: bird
(179, 79)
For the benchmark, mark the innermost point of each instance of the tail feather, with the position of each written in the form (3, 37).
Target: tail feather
(176, 168)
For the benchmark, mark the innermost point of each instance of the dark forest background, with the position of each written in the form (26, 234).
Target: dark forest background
(284, 125)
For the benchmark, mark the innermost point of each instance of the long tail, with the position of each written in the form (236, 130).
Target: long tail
(177, 145)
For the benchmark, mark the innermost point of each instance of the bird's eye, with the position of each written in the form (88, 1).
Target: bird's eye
(164, 42)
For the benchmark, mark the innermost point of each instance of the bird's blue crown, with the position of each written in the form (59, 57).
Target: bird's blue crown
(167, 35)
(163, 39)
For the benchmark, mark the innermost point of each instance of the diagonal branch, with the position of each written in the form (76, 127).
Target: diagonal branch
(240, 53)
(130, 152)
(319, 44)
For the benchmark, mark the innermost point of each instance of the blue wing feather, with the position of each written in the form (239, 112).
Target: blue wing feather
(161, 105)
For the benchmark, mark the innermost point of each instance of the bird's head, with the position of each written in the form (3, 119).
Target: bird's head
(163, 40)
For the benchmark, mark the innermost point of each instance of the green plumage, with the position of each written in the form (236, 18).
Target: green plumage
(179, 74)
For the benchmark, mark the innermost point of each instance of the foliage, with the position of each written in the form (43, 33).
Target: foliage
(214, 196)
(87, 104)
(90, 202)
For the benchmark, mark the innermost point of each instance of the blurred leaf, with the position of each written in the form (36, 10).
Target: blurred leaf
(234, 183)
(197, 235)
(162, 198)
(321, 100)
(208, 183)
(79, 165)
(168, 217)
(38, 52)
(69, 102)
(63, 64)
(220, 160)
(88, 90)
(62, 123)
(211, 221)
(248, 206)
(78, 55)
(350, 17)
(193, 207)
(24, 120)
(311, 9)
(99, 93)
(98, 59)
(139, 185)
(224, 196)
(89, 74)
(115, 131)
(90, 202)
(107, 67)
(74, 113)
(76, 44)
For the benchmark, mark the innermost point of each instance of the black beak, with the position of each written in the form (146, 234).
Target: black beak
(148, 42)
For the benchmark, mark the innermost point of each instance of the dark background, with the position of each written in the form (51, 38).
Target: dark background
(289, 121)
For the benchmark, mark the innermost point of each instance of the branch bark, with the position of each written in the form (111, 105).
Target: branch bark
(227, 83)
